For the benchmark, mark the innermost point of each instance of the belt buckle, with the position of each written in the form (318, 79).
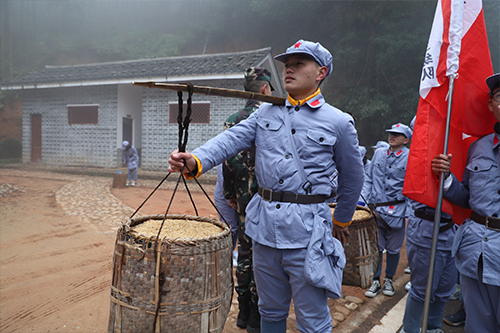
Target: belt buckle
(487, 224)
(270, 197)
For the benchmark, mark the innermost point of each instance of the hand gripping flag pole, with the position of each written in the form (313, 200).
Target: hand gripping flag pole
(458, 37)
(452, 25)
(437, 216)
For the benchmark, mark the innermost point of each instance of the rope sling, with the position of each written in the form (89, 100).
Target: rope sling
(183, 134)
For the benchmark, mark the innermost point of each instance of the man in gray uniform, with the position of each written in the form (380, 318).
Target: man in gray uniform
(419, 234)
(298, 147)
(384, 194)
(477, 242)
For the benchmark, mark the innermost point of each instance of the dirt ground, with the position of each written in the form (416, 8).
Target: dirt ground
(55, 268)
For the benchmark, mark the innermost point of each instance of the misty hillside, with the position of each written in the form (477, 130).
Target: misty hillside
(378, 46)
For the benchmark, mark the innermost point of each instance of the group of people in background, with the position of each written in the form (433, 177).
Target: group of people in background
(279, 165)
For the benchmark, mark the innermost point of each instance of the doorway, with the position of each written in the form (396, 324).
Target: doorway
(36, 138)
(127, 130)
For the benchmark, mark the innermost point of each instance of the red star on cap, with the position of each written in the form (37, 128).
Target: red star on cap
(397, 125)
(297, 44)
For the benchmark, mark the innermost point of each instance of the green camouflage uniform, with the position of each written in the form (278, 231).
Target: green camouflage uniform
(240, 182)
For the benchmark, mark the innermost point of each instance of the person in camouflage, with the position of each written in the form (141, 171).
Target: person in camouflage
(240, 184)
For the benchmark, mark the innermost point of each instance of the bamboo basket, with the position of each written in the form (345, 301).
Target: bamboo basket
(361, 251)
(193, 280)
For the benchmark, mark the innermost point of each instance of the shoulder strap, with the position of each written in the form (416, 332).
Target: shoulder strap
(306, 184)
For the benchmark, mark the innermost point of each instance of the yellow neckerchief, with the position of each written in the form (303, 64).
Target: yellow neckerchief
(302, 101)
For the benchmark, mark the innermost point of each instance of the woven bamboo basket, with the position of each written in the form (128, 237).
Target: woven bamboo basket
(361, 250)
(193, 280)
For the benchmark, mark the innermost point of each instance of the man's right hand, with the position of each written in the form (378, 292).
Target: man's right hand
(177, 160)
(441, 163)
(234, 204)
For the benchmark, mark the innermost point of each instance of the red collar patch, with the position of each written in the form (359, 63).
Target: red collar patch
(314, 103)
(495, 140)
(399, 152)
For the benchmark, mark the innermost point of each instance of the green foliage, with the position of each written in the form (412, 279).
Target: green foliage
(11, 149)
(378, 46)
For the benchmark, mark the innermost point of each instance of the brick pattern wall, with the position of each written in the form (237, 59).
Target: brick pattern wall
(72, 145)
(160, 138)
(95, 144)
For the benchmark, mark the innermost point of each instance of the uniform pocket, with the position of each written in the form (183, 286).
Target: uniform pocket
(320, 144)
(267, 133)
(480, 174)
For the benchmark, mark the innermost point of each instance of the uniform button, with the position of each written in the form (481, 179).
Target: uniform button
(278, 206)
(297, 108)
(390, 166)
(321, 139)
(267, 125)
(498, 192)
(281, 181)
(287, 156)
(293, 131)
(494, 215)
(475, 168)
(485, 239)
(388, 178)
(387, 189)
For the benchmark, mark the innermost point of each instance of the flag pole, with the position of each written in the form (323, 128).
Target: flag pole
(437, 215)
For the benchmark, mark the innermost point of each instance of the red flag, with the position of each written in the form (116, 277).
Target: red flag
(458, 44)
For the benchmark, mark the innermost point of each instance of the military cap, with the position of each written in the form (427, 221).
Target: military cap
(381, 144)
(258, 74)
(401, 128)
(412, 123)
(493, 81)
(315, 50)
(362, 151)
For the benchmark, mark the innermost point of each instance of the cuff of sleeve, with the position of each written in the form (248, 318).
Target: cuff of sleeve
(340, 224)
(199, 170)
(447, 182)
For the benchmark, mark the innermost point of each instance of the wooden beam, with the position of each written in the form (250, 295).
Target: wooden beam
(214, 91)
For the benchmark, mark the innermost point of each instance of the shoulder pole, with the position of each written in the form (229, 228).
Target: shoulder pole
(214, 91)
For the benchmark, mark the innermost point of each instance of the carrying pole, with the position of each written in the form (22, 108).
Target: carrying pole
(437, 215)
(214, 91)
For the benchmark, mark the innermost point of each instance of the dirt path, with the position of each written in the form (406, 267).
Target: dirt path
(55, 270)
(57, 234)
(56, 248)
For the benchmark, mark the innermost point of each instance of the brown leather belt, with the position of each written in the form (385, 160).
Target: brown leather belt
(270, 195)
(388, 203)
(377, 215)
(449, 223)
(490, 222)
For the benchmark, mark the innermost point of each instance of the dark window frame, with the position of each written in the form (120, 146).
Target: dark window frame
(197, 117)
(82, 114)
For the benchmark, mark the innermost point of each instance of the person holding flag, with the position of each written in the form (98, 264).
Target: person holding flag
(477, 243)
(418, 248)
(452, 113)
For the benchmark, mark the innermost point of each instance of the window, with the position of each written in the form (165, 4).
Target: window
(83, 114)
(200, 112)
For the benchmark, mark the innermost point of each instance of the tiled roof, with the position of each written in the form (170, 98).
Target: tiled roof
(196, 65)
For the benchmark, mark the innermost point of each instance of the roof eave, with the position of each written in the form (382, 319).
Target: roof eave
(221, 76)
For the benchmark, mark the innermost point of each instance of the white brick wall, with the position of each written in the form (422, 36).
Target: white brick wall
(73, 145)
(95, 144)
(160, 138)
